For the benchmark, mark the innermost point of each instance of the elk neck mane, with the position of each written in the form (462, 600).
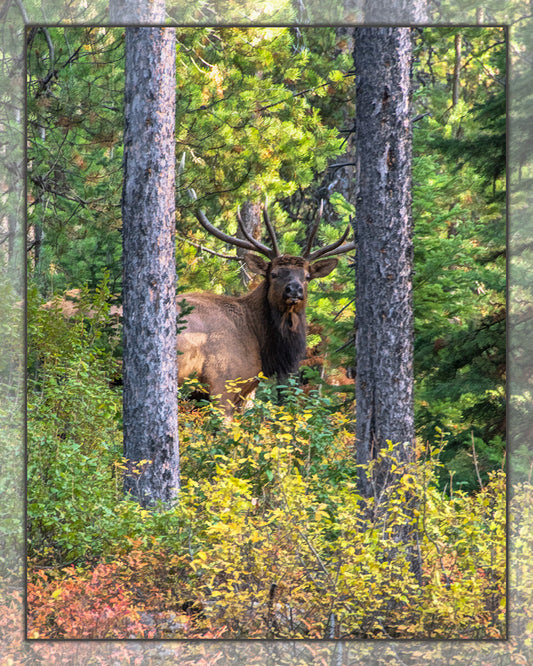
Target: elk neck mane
(282, 336)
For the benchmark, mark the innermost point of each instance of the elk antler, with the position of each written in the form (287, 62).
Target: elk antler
(260, 247)
(271, 231)
(254, 246)
(249, 243)
(334, 248)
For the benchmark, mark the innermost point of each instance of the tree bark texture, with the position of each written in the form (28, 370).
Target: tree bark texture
(124, 12)
(251, 219)
(149, 269)
(384, 313)
(399, 12)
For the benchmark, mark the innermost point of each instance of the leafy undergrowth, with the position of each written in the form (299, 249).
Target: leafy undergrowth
(269, 537)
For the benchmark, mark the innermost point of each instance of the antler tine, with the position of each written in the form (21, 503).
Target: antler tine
(313, 231)
(343, 249)
(258, 245)
(334, 248)
(239, 242)
(271, 231)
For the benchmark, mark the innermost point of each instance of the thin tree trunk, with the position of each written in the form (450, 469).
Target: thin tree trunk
(457, 70)
(149, 277)
(251, 219)
(38, 242)
(340, 174)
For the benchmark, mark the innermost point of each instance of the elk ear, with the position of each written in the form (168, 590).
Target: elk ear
(323, 267)
(256, 263)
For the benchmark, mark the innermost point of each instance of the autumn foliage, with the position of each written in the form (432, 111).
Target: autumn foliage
(269, 537)
(288, 565)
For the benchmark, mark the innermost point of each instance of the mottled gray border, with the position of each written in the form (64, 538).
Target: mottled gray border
(12, 284)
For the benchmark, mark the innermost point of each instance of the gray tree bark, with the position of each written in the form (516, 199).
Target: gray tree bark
(251, 218)
(149, 269)
(384, 310)
(125, 12)
(384, 313)
(396, 12)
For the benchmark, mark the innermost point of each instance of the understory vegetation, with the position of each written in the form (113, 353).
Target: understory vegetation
(269, 538)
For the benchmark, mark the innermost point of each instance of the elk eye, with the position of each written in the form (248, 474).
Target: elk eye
(307, 277)
(274, 275)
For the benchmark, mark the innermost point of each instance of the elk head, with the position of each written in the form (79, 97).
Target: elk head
(287, 275)
(287, 278)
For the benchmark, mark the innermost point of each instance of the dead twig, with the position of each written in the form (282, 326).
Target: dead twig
(474, 456)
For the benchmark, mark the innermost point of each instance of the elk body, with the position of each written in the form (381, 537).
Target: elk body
(235, 338)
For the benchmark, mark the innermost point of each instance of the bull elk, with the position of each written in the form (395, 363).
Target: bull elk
(235, 338)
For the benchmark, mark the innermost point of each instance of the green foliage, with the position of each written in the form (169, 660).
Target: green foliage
(309, 420)
(460, 264)
(332, 302)
(477, 134)
(254, 118)
(269, 538)
(238, 97)
(259, 113)
(75, 156)
(12, 420)
(259, 548)
(74, 434)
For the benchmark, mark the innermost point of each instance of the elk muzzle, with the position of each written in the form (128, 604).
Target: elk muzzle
(293, 292)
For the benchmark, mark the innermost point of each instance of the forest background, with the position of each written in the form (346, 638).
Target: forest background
(261, 113)
(266, 113)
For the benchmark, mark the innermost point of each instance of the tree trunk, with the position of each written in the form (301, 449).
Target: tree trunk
(38, 242)
(136, 11)
(384, 313)
(149, 269)
(401, 12)
(457, 70)
(251, 219)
